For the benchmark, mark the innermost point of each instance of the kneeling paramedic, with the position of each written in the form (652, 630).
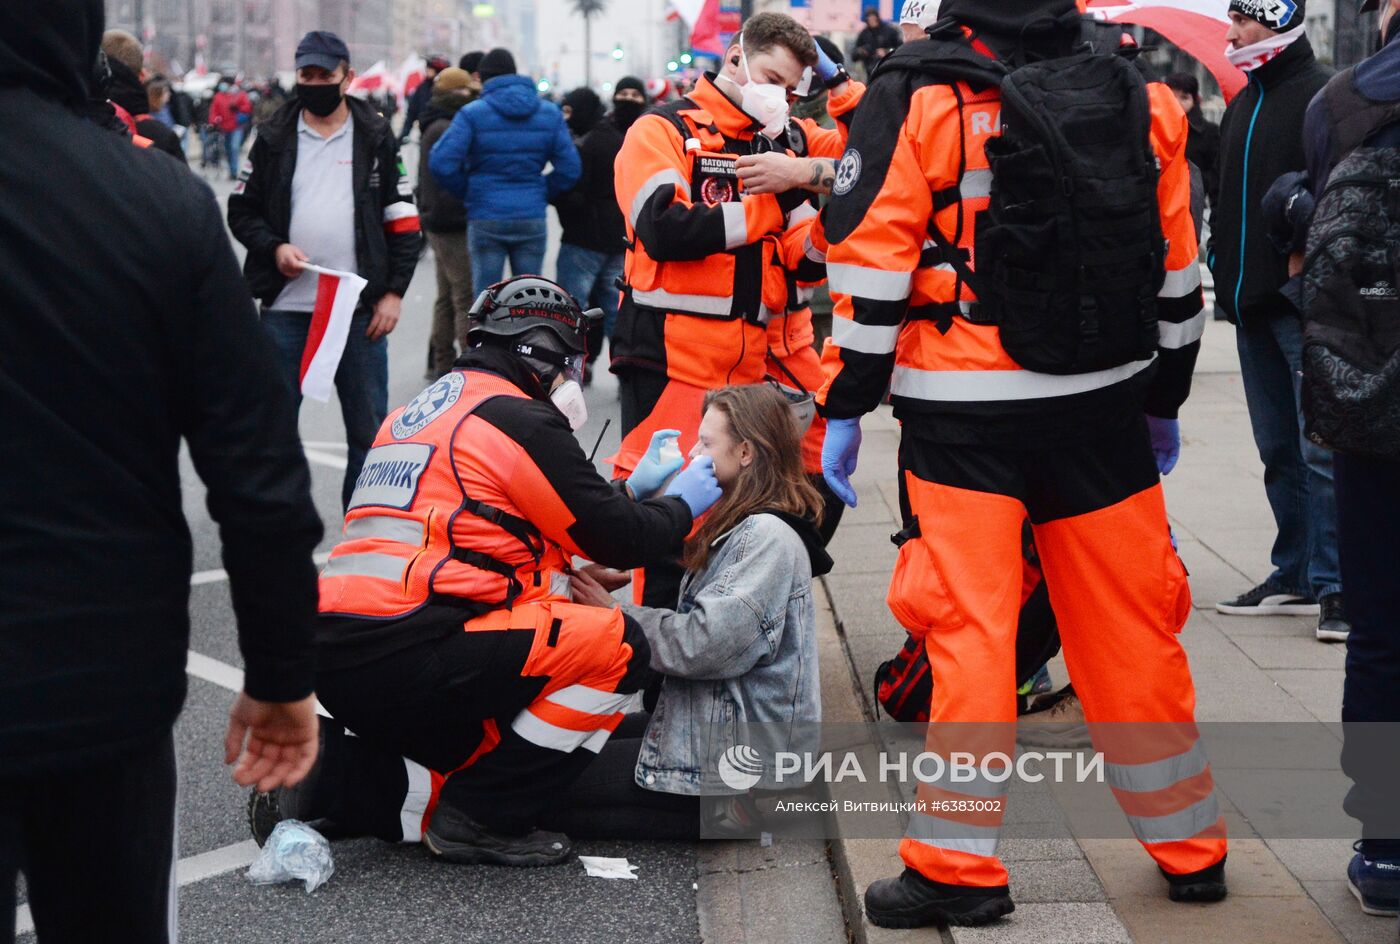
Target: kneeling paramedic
(447, 642)
(1027, 290)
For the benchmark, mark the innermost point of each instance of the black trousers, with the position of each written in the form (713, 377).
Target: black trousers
(1368, 539)
(606, 803)
(421, 714)
(96, 846)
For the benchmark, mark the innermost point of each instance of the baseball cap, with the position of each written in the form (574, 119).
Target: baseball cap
(321, 48)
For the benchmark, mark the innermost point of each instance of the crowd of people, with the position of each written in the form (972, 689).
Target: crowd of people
(1028, 301)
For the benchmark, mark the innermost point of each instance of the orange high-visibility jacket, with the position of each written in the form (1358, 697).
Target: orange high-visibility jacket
(898, 324)
(705, 268)
(477, 495)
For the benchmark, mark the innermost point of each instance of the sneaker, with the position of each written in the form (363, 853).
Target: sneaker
(1037, 684)
(455, 837)
(1054, 721)
(1332, 625)
(1375, 883)
(1207, 885)
(1269, 599)
(266, 810)
(912, 901)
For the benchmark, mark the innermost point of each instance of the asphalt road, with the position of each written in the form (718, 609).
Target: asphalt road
(381, 892)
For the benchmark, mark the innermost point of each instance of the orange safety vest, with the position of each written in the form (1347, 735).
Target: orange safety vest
(429, 521)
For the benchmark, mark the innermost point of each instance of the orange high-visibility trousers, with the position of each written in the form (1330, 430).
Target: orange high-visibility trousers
(1120, 594)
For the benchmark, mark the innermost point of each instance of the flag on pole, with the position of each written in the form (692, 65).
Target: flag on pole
(337, 294)
(1197, 26)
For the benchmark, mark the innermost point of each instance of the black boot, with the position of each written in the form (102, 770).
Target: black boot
(266, 810)
(457, 838)
(912, 901)
(1206, 885)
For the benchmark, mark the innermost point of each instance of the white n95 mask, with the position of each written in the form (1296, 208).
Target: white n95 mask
(568, 398)
(764, 102)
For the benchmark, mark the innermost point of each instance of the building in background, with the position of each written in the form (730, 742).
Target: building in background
(258, 37)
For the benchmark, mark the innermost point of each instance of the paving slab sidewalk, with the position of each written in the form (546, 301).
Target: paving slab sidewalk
(1245, 670)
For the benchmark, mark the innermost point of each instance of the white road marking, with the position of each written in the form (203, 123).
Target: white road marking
(324, 458)
(195, 868)
(223, 675)
(219, 575)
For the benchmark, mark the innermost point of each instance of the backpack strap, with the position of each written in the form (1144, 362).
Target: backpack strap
(671, 111)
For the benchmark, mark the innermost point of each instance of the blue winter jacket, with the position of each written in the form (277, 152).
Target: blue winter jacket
(494, 153)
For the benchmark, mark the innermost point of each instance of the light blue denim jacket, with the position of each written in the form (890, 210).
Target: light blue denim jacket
(740, 648)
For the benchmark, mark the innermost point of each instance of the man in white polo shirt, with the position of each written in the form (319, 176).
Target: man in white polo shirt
(323, 184)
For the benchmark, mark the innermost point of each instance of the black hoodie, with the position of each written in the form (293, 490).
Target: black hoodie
(125, 328)
(128, 92)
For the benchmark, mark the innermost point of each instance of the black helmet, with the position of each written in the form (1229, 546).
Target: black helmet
(528, 304)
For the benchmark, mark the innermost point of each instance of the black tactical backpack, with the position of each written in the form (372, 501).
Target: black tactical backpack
(1351, 287)
(1070, 256)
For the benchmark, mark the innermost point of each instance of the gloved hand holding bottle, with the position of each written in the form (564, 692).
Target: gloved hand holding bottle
(697, 486)
(840, 451)
(662, 460)
(1166, 442)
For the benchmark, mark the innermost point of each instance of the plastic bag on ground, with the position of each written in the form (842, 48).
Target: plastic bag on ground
(293, 851)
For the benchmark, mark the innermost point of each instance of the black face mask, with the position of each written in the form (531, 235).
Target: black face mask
(626, 112)
(320, 100)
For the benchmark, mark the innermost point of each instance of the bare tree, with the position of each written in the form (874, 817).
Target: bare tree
(588, 9)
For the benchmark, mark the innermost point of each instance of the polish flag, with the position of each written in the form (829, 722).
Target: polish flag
(337, 294)
(705, 30)
(1197, 26)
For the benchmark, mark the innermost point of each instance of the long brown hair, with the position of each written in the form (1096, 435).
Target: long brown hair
(758, 415)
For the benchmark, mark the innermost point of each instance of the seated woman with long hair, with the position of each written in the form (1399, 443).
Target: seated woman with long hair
(740, 647)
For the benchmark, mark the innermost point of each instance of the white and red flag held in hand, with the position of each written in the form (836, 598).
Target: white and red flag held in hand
(337, 295)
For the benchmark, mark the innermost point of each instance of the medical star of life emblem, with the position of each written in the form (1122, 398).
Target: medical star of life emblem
(847, 173)
(428, 406)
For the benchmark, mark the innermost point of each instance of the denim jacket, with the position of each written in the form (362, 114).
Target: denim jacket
(740, 648)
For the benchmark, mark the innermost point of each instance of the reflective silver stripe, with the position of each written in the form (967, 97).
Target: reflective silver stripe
(1178, 826)
(976, 184)
(868, 339)
(402, 530)
(379, 566)
(950, 834)
(415, 801)
(538, 731)
(736, 225)
(876, 284)
(802, 214)
(654, 183)
(812, 252)
(975, 386)
(1158, 774)
(1177, 335)
(1181, 282)
(591, 701)
(718, 305)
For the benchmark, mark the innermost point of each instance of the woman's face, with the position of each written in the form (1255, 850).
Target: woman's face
(717, 441)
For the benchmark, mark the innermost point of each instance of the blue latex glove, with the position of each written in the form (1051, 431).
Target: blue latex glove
(1166, 442)
(826, 68)
(646, 480)
(697, 486)
(840, 450)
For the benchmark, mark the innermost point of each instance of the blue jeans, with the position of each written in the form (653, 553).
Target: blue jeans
(492, 242)
(233, 146)
(1297, 472)
(362, 380)
(591, 277)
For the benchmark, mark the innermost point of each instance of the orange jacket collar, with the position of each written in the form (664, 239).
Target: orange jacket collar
(728, 117)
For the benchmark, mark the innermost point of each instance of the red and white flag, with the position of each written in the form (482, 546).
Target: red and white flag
(337, 295)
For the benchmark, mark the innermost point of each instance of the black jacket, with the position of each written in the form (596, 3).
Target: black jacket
(128, 92)
(869, 40)
(260, 209)
(589, 213)
(124, 328)
(442, 212)
(417, 105)
(1261, 138)
(1203, 149)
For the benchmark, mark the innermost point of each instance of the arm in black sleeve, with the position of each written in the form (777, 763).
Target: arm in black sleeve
(247, 206)
(402, 227)
(603, 524)
(238, 417)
